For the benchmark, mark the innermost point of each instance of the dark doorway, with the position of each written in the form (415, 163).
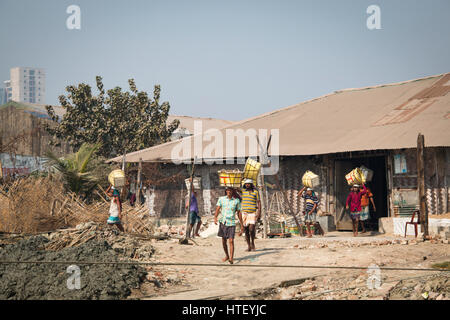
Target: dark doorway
(378, 186)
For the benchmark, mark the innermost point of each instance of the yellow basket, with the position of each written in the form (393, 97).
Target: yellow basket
(251, 170)
(366, 174)
(310, 179)
(291, 230)
(355, 177)
(230, 178)
(117, 178)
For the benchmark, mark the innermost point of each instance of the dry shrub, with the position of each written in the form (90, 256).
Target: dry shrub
(26, 205)
(33, 205)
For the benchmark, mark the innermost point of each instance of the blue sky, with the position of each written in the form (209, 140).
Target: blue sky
(226, 59)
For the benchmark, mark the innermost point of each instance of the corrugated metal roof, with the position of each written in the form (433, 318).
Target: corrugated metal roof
(372, 118)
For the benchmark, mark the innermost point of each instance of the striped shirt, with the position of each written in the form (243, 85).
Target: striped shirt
(229, 207)
(249, 200)
(310, 201)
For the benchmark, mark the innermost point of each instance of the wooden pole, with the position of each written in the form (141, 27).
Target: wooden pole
(123, 161)
(191, 189)
(138, 183)
(263, 196)
(263, 156)
(421, 184)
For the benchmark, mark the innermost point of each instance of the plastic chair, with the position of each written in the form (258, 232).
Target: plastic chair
(413, 223)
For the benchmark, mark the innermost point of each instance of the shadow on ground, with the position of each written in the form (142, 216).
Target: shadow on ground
(253, 257)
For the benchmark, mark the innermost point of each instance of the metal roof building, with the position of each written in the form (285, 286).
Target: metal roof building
(374, 126)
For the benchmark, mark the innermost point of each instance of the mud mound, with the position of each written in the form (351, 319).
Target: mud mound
(49, 281)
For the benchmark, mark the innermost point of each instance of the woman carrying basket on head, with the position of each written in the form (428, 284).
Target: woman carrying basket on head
(354, 203)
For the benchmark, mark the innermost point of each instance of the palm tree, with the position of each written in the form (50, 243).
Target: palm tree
(77, 174)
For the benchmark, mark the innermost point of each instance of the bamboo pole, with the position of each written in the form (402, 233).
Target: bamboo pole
(138, 183)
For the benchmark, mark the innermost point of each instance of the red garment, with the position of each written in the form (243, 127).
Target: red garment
(354, 199)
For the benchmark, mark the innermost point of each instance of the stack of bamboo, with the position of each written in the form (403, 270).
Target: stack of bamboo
(134, 219)
(72, 237)
(135, 245)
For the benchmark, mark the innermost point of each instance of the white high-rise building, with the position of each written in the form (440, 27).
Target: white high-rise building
(26, 85)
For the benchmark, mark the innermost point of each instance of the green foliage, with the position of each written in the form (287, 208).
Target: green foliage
(38, 174)
(121, 121)
(77, 169)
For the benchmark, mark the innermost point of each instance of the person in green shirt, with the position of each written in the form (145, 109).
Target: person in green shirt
(228, 206)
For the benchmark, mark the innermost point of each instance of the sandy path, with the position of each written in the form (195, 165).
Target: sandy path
(208, 282)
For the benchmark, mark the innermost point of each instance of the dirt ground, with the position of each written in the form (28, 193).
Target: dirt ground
(93, 242)
(335, 249)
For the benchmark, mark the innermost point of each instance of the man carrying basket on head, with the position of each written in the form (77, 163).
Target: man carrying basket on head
(251, 211)
(311, 202)
(229, 206)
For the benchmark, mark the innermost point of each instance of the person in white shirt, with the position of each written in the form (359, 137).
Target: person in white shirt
(115, 210)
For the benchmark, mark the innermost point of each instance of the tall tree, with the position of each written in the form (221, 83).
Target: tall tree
(122, 121)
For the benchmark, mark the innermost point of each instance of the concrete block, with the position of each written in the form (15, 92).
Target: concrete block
(327, 223)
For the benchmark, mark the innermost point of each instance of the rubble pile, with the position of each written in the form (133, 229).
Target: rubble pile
(354, 287)
(355, 244)
(167, 278)
(50, 280)
(180, 230)
(171, 230)
(436, 287)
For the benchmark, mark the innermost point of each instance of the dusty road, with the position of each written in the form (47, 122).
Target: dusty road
(335, 249)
